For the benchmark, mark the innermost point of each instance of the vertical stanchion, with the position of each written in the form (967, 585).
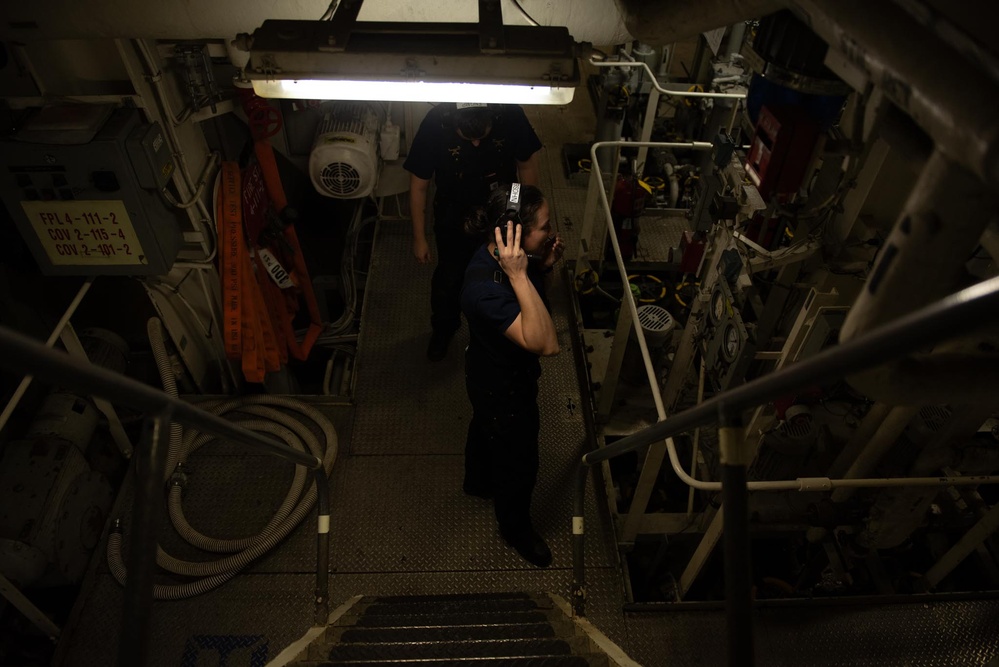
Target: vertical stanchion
(322, 546)
(735, 509)
(578, 542)
(147, 508)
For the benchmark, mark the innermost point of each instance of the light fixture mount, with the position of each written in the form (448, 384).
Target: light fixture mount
(440, 62)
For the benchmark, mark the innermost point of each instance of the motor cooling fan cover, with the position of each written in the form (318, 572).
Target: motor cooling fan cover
(343, 165)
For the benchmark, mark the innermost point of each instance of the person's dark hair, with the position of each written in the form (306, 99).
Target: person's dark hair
(483, 219)
(473, 122)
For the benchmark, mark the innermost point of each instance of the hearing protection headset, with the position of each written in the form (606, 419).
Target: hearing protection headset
(511, 210)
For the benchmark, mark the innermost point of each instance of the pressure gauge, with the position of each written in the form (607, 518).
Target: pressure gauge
(716, 310)
(731, 342)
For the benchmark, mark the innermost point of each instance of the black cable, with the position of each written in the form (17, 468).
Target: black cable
(530, 19)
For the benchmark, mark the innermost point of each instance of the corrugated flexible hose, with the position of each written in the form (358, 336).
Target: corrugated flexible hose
(290, 424)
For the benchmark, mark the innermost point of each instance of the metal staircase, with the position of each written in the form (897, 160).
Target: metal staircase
(489, 629)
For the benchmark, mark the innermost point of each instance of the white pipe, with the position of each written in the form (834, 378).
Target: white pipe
(826, 484)
(799, 484)
(655, 82)
(653, 103)
(53, 337)
(196, 197)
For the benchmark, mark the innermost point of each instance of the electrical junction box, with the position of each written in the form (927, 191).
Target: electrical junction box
(85, 196)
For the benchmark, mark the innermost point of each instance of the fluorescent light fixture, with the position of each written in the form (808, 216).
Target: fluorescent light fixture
(344, 59)
(411, 91)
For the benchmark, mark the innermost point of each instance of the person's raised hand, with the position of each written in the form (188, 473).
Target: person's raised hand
(512, 258)
(421, 250)
(554, 253)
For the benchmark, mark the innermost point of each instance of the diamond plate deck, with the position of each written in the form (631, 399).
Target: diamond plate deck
(658, 234)
(568, 219)
(406, 404)
(916, 635)
(401, 525)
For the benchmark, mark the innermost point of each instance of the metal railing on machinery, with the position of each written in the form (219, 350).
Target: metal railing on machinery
(965, 310)
(21, 354)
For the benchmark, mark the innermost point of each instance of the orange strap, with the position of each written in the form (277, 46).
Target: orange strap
(231, 258)
(274, 354)
(249, 332)
(253, 335)
(276, 307)
(272, 179)
(263, 356)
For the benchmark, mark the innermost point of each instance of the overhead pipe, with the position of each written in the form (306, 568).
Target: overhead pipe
(941, 90)
(921, 261)
(923, 258)
(667, 21)
(944, 92)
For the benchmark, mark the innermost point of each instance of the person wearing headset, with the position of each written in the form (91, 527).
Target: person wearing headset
(466, 149)
(510, 328)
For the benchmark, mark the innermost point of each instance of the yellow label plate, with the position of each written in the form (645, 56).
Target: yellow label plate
(85, 232)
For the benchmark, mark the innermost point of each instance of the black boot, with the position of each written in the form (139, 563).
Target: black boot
(530, 546)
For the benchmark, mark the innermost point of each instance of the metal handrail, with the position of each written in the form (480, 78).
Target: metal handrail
(22, 354)
(653, 102)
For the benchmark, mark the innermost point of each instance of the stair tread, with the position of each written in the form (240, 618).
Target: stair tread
(452, 606)
(512, 661)
(495, 629)
(395, 599)
(449, 632)
(451, 649)
(453, 618)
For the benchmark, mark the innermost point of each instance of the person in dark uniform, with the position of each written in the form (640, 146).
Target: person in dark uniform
(467, 149)
(510, 328)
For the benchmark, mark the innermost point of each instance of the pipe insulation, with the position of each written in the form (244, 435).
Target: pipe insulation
(288, 420)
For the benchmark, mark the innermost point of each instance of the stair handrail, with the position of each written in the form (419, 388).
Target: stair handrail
(22, 354)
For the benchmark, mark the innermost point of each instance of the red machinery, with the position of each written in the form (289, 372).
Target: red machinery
(781, 150)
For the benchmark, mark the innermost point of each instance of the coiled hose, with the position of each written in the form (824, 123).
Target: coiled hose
(262, 417)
